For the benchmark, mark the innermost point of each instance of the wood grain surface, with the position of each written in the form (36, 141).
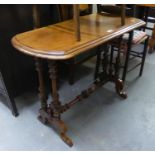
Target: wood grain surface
(58, 41)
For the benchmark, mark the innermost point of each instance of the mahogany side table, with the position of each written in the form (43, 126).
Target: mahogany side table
(57, 42)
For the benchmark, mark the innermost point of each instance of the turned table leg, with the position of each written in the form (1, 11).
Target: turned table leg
(102, 59)
(51, 113)
(42, 89)
(55, 106)
(119, 84)
(109, 73)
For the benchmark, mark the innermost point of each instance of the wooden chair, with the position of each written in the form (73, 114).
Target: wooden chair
(136, 37)
(146, 12)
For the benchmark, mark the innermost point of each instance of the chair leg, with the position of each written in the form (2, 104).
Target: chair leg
(72, 69)
(143, 57)
(127, 56)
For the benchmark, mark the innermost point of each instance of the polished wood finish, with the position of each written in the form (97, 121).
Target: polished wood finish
(95, 30)
(108, 72)
(18, 70)
(52, 114)
(42, 88)
(38, 62)
(58, 42)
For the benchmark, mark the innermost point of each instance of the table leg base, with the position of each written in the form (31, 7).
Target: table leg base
(46, 118)
(119, 88)
(66, 139)
(119, 84)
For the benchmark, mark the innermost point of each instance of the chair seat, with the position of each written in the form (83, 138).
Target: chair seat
(138, 36)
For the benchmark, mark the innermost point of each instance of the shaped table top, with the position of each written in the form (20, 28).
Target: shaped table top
(58, 41)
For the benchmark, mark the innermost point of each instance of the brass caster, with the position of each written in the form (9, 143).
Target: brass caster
(123, 94)
(119, 89)
(66, 139)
